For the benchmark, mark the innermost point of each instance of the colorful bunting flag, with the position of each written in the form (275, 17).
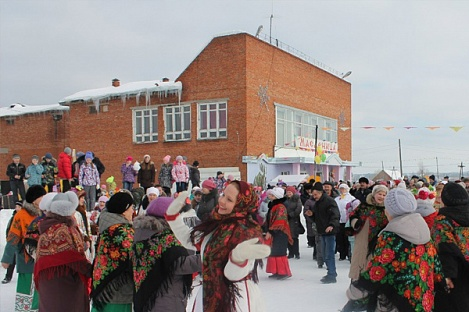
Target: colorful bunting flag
(388, 128)
(432, 128)
(456, 129)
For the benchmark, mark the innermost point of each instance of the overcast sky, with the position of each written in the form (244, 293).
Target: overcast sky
(410, 59)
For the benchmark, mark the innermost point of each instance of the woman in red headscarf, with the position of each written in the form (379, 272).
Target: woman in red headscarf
(228, 244)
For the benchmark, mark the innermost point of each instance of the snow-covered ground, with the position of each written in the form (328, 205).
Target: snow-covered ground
(302, 292)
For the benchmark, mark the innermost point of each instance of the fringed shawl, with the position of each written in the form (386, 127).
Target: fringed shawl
(60, 251)
(154, 262)
(112, 266)
(278, 218)
(227, 231)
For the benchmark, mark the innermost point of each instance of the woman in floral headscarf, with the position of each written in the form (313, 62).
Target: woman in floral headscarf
(228, 244)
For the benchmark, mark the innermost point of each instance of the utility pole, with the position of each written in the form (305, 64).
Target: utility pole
(461, 170)
(400, 158)
(437, 170)
(315, 149)
(382, 164)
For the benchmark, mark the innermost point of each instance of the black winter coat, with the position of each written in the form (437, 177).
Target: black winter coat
(14, 169)
(326, 213)
(146, 174)
(207, 204)
(293, 205)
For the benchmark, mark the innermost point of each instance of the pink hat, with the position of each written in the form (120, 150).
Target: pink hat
(291, 189)
(209, 185)
(103, 199)
(129, 158)
(159, 206)
(167, 158)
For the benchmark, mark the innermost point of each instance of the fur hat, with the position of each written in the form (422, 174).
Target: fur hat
(378, 188)
(153, 190)
(278, 192)
(103, 199)
(119, 202)
(308, 186)
(363, 179)
(318, 187)
(209, 185)
(64, 204)
(399, 202)
(34, 192)
(453, 194)
(159, 206)
(425, 200)
(48, 156)
(89, 155)
(44, 205)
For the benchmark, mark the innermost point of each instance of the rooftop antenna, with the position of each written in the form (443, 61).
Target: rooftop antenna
(270, 34)
(259, 29)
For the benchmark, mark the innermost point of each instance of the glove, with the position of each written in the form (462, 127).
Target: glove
(177, 204)
(249, 250)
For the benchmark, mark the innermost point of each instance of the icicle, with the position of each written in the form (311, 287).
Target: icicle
(137, 99)
(124, 99)
(147, 97)
(96, 104)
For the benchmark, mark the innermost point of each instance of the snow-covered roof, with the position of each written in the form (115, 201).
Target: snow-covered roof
(124, 91)
(22, 109)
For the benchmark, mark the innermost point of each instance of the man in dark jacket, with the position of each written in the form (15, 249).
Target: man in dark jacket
(16, 171)
(363, 191)
(194, 174)
(326, 215)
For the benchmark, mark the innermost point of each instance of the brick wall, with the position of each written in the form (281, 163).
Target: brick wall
(231, 68)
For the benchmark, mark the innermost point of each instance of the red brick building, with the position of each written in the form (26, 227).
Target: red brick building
(239, 98)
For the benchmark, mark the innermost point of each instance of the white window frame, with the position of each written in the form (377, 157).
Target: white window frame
(149, 115)
(170, 133)
(292, 127)
(216, 132)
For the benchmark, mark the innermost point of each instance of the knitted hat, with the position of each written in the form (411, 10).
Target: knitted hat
(318, 187)
(379, 188)
(18, 203)
(34, 192)
(167, 158)
(291, 189)
(209, 184)
(159, 206)
(44, 205)
(89, 155)
(196, 190)
(64, 204)
(35, 157)
(119, 202)
(179, 158)
(15, 156)
(48, 156)
(68, 150)
(230, 177)
(79, 154)
(425, 200)
(453, 194)
(278, 192)
(399, 202)
(103, 199)
(129, 158)
(153, 190)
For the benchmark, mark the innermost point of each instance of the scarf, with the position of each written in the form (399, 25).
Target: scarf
(60, 250)
(278, 218)
(112, 265)
(154, 262)
(373, 212)
(32, 236)
(227, 231)
(404, 272)
(19, 227)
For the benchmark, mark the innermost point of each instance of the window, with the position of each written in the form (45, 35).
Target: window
(292, 123)
(145, 124)
(212, 121)
(92, 109)
(177, 123)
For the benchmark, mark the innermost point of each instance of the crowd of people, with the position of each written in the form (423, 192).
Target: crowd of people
(142, 247)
